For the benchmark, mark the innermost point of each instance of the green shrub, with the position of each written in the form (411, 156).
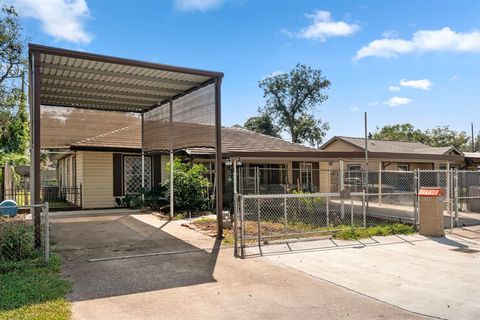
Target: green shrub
(16, 240)
(190, 186)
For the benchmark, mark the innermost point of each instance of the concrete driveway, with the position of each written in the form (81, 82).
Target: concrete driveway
(193, 279)
(438, 277)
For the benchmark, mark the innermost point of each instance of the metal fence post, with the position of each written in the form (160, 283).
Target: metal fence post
(351, 211)
(364, 210)
(242, 228)
(448, 191)
(342, 180)
(285, 212)
(417, 182)
(455, 195)
(258, 222)
(47, 233)
(328, 211)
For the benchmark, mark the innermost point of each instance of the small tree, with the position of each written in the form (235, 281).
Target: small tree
(190, 186)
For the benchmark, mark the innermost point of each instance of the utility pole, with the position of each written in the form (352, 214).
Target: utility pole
(473, 140)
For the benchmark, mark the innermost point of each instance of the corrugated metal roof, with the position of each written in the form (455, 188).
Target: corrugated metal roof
(78, 79)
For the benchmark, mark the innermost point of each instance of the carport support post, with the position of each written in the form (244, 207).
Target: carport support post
(218, 159)
(170, 112)
(35, 82)
(143, 164)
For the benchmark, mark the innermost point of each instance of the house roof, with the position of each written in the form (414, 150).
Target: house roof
(386, 146)
(472, 155)
(233, 140)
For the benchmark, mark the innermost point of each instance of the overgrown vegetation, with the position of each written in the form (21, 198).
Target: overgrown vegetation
(16, 240)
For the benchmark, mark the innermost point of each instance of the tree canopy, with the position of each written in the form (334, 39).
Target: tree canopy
(291, 99)
(262, 123)
(440, 136)
(14, 135)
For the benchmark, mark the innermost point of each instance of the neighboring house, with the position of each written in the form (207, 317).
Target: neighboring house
(109, 165)
(393, 155)
(472, 160)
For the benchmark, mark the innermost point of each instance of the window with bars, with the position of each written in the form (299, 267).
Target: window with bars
(132, 174)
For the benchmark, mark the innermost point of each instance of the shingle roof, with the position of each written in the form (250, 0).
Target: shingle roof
(392, 146)
(233, 139)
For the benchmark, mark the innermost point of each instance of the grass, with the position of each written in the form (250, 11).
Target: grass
(31, 290)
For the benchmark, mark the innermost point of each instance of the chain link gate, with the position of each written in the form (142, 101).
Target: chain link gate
(389, 196)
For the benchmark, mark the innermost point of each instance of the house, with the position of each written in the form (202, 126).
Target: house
(107, 166)
(393, 155)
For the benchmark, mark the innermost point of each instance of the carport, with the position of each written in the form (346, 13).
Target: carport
(109, 88)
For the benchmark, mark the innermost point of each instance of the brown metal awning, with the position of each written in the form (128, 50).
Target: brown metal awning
(85, 80)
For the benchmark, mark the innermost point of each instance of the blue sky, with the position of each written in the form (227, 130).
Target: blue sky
(401, 61)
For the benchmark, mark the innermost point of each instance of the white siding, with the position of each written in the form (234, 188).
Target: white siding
(97, 180)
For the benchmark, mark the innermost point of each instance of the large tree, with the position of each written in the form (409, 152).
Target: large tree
(262, 123)
(445, 137)
(291, 101)
(400, 132)
(436, 137)
(13, 110)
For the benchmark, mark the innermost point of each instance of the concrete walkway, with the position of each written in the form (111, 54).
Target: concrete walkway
(195, 279)
(439, 277)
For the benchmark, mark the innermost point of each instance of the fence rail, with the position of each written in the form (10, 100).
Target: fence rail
(57, 197)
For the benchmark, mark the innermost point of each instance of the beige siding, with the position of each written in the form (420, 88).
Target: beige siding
(98, 180)
(342, 146)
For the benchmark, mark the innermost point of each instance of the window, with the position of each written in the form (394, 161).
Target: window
(132, 174)
(403, 167)
(354, 167)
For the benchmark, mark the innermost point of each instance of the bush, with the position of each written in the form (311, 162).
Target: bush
(190, 186)
(16, 240)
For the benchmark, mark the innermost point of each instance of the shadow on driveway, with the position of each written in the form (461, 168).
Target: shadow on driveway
(85, 237)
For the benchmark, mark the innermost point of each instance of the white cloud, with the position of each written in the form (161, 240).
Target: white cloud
(273, 74)
(455, 77)
(394, 88)
(397, 101)
(422, 41)
(423, 84)
(197, 5)
(61, 19)
(324, 27)
(354, 109)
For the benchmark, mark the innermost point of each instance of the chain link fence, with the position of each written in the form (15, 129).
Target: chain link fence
(17, 234)
(274, 212)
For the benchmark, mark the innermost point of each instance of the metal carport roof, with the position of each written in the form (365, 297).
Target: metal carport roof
(85, 80)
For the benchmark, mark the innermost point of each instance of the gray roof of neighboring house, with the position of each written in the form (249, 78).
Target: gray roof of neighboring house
(233, 139)
(472, 155)
(393, 146)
